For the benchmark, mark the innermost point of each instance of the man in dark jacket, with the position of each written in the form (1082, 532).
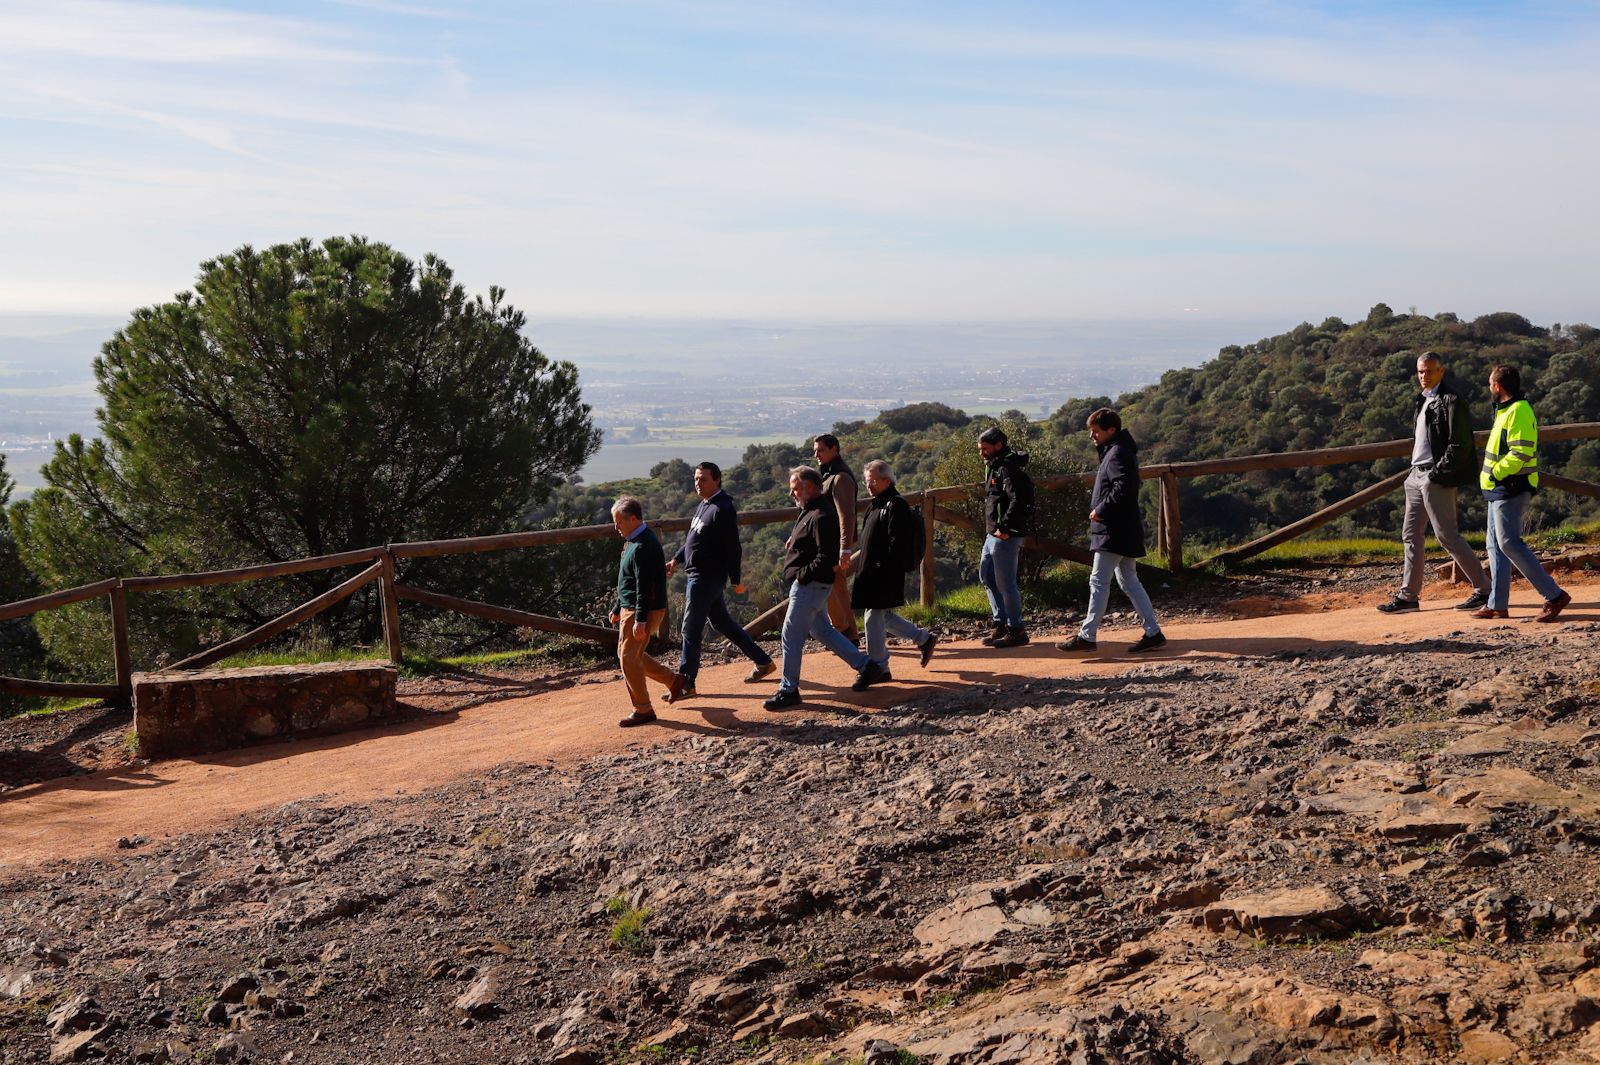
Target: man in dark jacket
(711, 556)
(1007, 518)
(640, 609)
(884, 555)
(839, 485)
(811, 555)
(1116, 534)
(1443, 458)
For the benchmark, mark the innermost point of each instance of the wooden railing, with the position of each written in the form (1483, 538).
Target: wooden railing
(380, 564)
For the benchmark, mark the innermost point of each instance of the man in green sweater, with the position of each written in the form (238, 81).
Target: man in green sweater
(640, 609)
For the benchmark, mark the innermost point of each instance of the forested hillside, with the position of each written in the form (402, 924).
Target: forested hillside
(1334, 384)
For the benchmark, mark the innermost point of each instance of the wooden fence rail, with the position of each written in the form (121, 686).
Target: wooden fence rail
(380, 563)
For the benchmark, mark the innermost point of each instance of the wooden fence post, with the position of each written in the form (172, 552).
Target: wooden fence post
(930, 500)
(1172, 521)
(120, 654)
(390, 604)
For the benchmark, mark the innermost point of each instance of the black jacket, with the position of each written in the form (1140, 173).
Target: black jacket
(1008, 497)
(712, 549)
(1120, 529)
(813, 546)
(886, 538)
(1455, 456)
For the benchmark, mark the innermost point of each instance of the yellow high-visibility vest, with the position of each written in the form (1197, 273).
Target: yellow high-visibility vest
(1513, 446)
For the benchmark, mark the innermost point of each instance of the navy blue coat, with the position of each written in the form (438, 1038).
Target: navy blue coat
(1120, 529)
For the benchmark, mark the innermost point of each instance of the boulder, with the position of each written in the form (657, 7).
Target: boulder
(1313, 912)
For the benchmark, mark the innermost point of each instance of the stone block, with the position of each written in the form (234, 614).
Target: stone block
(176, 712)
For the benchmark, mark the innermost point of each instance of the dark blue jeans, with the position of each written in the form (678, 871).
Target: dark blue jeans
(703, 602)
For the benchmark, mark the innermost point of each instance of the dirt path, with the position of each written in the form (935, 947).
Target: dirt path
(76, 816)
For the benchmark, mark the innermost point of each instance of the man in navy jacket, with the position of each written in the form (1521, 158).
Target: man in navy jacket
(1116, 534)
(711, 556)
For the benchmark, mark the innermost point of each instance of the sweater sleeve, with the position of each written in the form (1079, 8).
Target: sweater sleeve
(733, 549)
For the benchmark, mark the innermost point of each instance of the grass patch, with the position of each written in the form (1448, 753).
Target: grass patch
(411, 665)
(59, 706)
(629, 931)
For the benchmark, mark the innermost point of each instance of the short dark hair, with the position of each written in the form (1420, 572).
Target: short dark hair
(807, 473)
(828, 439)
(992, 435)
(1105, 418)
(712, 468)
(628, 505)
(1508, 378)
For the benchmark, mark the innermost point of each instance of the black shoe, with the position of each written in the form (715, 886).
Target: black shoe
(1398, 605)
(1148, 643)
(761, 672)
(782, 700)
(1474, 601)
(1015, 636)
(926, 647)
(870, 674)
(998, 631)
(1077, 643)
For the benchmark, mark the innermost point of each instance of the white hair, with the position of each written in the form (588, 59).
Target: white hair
(881, 468)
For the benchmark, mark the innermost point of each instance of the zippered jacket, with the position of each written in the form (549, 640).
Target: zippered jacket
(1449, 424)
(1511, 456)
(1120, 529)
(812, 550)
(1008, 495)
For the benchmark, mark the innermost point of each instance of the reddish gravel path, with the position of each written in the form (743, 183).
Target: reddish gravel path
(82, 815)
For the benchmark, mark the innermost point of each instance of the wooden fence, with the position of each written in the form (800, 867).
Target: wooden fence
(380, 564)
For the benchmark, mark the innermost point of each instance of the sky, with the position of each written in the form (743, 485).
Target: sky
(817, 160)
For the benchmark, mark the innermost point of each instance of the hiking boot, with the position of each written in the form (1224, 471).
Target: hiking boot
(1077, 643)
(1148, 643)
(761, 672)
(996, 633)
(1554, 607)
(1399, 604)
(1015, 636)
(870, 674)
(1474, 601)
(678, 685)
(926, 649)
(638, 717)
(687, 692)
(782, 700)
(1487, 612)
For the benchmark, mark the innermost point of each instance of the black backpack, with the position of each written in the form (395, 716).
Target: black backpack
(916, 544)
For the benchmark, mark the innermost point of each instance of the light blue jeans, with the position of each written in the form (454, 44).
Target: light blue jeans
(998, 571)
(1507, 549)
(808, 616)
(1126, 571)
(883, 622)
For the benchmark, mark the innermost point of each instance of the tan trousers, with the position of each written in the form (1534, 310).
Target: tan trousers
(839, 612)
(636, 665)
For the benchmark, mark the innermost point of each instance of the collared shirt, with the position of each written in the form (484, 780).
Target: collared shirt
(638, 531)
(1421, 447)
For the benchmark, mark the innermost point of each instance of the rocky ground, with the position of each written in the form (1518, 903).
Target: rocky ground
(1339, 855)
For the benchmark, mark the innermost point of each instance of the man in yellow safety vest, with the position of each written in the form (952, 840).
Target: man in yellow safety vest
(1509, 477)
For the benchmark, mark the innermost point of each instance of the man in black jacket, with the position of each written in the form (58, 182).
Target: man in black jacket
(711, 556)
(1443, 458)
(812, 554)
(1116, 534)
(839, 485)
(885, 553)
(1007, 518)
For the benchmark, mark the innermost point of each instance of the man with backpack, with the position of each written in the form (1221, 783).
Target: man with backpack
(891, 545)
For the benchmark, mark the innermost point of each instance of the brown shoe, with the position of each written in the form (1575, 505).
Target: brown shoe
(638, 717)
(1489, 612)
(1554, 607)
(677, 687)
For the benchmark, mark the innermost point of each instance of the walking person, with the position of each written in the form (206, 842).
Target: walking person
(1443, 458)
(640, 609)
(888, 549)
(711, 557)
(1116, 535)
(812, 555)
(1509, 477)
(839, 484)
(1007, 520)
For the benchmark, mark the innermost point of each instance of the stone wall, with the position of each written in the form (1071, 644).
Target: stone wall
(179, 712)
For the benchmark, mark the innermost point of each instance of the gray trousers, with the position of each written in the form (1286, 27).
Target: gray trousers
(1433, 504)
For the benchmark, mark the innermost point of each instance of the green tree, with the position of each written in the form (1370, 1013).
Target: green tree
(302, 400)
